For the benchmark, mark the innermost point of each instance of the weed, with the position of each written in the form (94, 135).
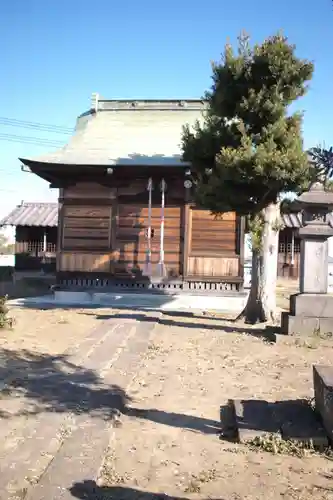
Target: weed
(273, 443)
(195, 482)
(108, 475)
(313, 343)
(5, 320)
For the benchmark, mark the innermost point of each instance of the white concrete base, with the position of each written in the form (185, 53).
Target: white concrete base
(141, 301)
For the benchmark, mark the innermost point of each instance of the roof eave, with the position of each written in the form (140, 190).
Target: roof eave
(38, 165)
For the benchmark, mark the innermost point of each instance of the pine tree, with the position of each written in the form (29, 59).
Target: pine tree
(248, 150)
(321, 159)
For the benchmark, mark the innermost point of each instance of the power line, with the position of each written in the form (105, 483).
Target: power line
(25, 139)
(45, 127)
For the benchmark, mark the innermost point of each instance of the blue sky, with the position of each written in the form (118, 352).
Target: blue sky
(56, 53)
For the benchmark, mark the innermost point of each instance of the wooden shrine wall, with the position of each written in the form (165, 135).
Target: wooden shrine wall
(102, 230)
(131, 241)
(214, 247)
(85, 222)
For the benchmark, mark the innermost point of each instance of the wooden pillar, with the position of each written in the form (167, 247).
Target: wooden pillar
(292, 257)
(114, 226)
(45, 241)
(186, 226)
(60, 230)
(241, 244)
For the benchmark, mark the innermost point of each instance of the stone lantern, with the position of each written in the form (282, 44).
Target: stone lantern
(312, 309)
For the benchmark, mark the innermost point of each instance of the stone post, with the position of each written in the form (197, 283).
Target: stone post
(311, 310)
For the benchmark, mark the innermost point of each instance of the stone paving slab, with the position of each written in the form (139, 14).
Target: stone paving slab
(78, 458)
(33, 456)
(29, 426)
(33, 444)
(82, 453)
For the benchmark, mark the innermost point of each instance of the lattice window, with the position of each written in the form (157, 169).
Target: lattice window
(286, 247)
(38, 246)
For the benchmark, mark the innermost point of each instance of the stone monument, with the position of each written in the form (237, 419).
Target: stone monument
(311, 310)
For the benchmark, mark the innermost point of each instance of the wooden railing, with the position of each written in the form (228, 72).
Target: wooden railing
(35, 248)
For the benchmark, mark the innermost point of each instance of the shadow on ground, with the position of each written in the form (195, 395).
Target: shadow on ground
(189, 422)
(55, 384)
(267, 333)
(89, 490)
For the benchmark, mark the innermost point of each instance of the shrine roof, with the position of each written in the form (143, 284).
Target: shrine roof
(32, 214)
(127, 132)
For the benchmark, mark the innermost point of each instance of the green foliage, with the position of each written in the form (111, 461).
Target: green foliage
(256, 226)
(322, 162)
(5, 247)
(248, 150)
(5, 320)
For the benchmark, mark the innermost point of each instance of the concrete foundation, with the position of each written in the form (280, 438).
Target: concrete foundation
(168, 302)
(312, 305)
(309, 313)
(306, 325)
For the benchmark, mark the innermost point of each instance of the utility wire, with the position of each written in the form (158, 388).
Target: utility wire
(13, 122)
(38, 141)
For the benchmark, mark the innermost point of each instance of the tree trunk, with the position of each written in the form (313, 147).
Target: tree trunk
(261, 304)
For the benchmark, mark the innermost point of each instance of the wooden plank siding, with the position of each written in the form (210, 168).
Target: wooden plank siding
(213, 266)
(213, 245)
(84, 191)
(132, 222)
(103, 230)
(89, 262)
(100, 237)
(86, 227)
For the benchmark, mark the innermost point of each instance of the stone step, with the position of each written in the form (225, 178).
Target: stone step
(294, 420)
(254, 418)
(299, 422)
(82, 453)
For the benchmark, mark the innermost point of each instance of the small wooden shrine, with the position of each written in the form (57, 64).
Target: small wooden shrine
(35, 235)
(126, 217)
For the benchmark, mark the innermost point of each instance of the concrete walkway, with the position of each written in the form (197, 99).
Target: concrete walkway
(65, 438)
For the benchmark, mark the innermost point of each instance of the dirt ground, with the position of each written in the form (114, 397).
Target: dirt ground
(169, 440)
(49, 331)
(54, 331)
